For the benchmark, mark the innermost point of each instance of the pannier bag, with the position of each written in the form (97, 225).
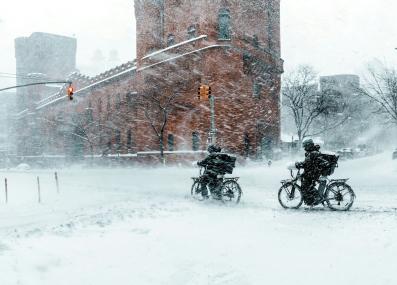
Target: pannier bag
(328, 167)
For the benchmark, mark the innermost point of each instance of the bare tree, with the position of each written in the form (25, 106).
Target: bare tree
(157, 107)
(308, 106)
(381, 87)
(83, 130)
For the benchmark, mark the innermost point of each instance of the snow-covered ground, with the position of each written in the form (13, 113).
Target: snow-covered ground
(139, 226)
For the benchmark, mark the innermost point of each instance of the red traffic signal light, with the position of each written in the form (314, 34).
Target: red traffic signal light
(70, 91)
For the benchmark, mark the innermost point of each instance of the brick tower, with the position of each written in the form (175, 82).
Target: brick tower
(233, 46)
(41, 57)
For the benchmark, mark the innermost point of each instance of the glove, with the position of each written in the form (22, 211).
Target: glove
(299, 165)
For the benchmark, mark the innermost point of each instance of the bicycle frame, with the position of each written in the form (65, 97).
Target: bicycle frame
(220, 178)
(324, 182)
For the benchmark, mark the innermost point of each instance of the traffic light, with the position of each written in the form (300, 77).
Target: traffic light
(204, 92)
(207, 92)
(199, 92)
(70, 92)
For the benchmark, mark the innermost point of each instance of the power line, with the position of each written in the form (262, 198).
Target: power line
(25, 76)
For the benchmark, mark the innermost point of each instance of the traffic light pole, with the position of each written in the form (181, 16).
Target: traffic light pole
(204, 93)
(213, 128)
(36, 83)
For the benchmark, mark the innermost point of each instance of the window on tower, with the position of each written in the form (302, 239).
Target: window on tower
(224, 24)
(170, 40)
(257, 88)
(191, 32)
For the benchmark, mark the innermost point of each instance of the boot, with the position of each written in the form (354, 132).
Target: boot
(204, 192)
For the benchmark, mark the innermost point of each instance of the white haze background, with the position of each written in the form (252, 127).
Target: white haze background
(334, 36)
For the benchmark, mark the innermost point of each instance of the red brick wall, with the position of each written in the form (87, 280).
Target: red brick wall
(236, 110)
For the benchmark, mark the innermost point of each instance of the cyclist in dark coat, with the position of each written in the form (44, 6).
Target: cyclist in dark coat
(312, 170)
(211, 170)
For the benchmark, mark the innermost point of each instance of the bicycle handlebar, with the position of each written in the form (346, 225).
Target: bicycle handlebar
(298, 174)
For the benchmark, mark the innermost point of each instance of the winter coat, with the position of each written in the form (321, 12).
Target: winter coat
(312, 163)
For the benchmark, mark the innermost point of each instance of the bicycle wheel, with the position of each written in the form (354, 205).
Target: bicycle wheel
(290, 196)
(196, 191)
(231, 192)
(339, 196)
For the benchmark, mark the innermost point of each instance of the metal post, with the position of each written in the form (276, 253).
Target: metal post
(213, 128)
(56, 181)
(38, 189)
(6, 189)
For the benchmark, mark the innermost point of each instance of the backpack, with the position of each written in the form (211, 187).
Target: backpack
(224, 163)
(328, 164)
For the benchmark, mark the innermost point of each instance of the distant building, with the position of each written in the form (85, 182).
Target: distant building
(351, 105)
(7, 111)
(341, 82)
(42, 56)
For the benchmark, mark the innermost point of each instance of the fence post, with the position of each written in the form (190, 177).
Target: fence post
(38, 189)
(6, 189)
(56, 181)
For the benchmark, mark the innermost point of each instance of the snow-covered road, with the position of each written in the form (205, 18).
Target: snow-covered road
(139, 226)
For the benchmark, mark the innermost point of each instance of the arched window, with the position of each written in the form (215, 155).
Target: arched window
(118, 102)
(129, 99)
(101, 135)
(89, 112)
(108, 104)
(195, 141)
(247, 143)
(171, 142)
(129, 139)
(118, 139)
(255, 41)
(257, 89)
(266, 147)
(191, 32)
(224, 24)
(99, 105)
(170, 40)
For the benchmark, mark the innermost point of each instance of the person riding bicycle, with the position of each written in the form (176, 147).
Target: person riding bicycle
(312, 170)
(211, 170)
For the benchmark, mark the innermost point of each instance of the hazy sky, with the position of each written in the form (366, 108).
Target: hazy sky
(338, 36)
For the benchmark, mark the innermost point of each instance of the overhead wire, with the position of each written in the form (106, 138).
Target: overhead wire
(27, 76)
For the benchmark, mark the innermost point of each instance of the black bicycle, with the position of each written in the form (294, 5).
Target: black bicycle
(225, 189)
(334, 193)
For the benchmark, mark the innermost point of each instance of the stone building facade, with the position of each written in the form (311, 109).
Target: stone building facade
(232, 46)
(345, 83)
(42, 56)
